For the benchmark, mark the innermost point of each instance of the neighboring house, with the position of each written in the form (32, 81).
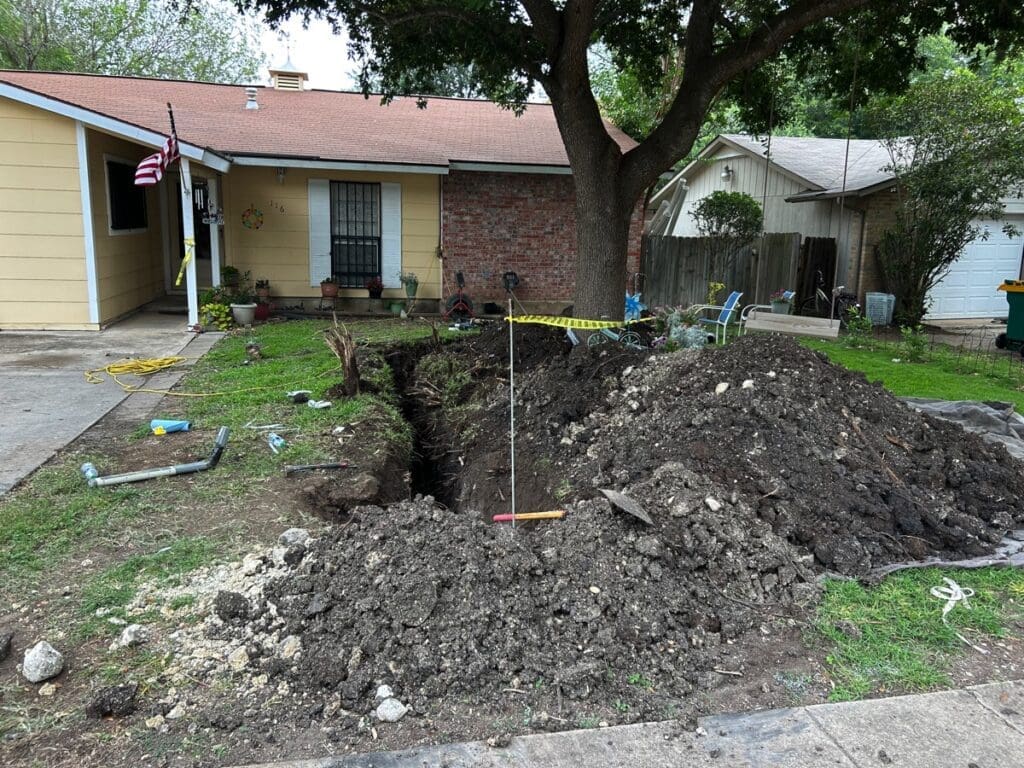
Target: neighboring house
(308, 183)
(819, 189)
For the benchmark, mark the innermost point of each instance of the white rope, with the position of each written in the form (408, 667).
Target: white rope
(512, 409)
(953, 593)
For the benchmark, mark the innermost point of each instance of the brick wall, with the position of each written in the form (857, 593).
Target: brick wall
(880, 215)
(496, 222)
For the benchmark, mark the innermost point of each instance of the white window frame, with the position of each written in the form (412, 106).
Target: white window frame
(106, 186)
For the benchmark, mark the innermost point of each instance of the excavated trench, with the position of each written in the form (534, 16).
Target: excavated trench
(432, 472)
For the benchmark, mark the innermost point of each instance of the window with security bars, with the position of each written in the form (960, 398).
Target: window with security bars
(355, 233)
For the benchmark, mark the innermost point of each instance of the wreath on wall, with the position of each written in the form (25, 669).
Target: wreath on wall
(252, 218)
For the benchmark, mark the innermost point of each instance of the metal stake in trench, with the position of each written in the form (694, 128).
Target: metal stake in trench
(512, 408)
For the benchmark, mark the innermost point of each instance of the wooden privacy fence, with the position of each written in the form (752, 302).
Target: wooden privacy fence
(677, 269)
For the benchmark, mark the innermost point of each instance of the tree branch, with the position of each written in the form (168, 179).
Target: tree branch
(547, 25)
(706, 73)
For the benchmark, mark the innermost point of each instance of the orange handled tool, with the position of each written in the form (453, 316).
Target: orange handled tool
(552, 515)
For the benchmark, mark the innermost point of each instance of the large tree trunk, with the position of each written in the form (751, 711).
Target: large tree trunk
(604, 207)
(602, 221)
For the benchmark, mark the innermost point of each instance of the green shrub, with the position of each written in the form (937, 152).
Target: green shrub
(859, 330)
(914, 342)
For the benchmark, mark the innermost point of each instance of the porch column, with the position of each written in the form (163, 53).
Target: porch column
(189, 234)
(213, 206)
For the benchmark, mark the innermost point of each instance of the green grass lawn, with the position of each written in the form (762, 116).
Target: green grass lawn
(941, 375)
(891, 637)
(47, 516)
(902, 643)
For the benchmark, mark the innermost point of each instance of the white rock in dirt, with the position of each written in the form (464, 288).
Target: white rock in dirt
(332, 706)
(771, 374)
(384, 692)
(47, 689)
(713, 504)
(176, 712)
(42, 661)
(277, 555)
(595, 590)
(722, 387)
(748, 384)
(391, 711)
(131, 636)
(238, 659)
(293, 536)
(290, 646)
(260, 681)
(155, 722)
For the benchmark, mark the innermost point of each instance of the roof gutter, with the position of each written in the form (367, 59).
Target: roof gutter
(458, 165)
(314, 163)
(112, 125)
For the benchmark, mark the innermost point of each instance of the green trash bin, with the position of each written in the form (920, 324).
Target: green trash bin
(1014, 336)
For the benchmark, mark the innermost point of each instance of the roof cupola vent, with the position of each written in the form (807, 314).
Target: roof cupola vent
(250, 98)
(288, 78)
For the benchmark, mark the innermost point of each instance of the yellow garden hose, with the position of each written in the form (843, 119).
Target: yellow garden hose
(149, 366)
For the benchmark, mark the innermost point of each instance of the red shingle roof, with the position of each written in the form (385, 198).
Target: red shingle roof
(323, 125)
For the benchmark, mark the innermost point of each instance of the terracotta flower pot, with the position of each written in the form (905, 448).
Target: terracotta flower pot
(329, 290)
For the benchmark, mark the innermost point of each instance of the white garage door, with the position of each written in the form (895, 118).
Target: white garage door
(969, 290)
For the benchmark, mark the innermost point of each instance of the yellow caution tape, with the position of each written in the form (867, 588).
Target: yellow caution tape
(573, 322)
(190, 250)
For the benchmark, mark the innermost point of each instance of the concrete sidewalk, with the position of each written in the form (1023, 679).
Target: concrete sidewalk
(44, 397)
(979, 727)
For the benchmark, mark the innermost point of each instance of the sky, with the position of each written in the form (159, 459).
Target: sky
(316, 50)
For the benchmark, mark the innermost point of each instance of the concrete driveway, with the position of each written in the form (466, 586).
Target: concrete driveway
(45, 401)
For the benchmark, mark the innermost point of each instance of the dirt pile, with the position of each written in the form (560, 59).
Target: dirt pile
(761, 464)
(589, 610)
(835, 465)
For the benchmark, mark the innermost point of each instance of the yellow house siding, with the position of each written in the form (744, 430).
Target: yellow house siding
(279, 251)
(129, 267)
(42, 246)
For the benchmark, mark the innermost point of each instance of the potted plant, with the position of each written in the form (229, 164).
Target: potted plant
(781, 302)
(230, 276)
(263, 290)
(329, 287)
(410, 282)
(375, 287)
(243, 307)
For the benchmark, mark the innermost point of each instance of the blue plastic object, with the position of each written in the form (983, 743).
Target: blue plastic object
(170, 425)
(276, 442)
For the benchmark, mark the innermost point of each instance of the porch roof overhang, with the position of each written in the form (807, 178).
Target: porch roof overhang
(112, 125)
(813, 195)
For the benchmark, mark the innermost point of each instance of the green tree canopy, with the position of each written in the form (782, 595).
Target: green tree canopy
(956, 143)
(151, 38)
(515, 45)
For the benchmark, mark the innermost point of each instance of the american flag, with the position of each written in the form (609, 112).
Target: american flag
(151, 169)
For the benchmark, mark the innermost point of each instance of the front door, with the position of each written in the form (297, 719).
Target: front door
(200, 200)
